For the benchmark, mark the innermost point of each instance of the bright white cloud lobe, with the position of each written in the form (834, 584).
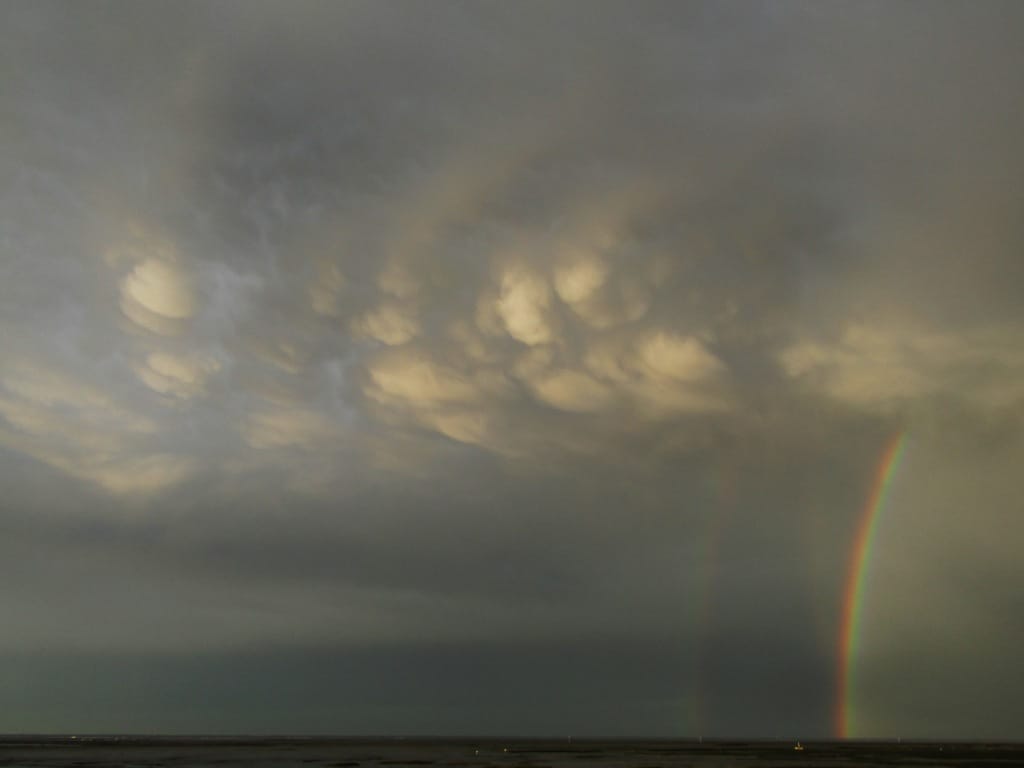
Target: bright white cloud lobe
(480, 355)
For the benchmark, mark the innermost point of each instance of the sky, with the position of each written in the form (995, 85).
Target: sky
(511, 368)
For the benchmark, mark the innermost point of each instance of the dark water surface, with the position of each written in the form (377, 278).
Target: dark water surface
(198, 752)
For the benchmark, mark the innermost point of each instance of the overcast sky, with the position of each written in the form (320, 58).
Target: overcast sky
(523, 368)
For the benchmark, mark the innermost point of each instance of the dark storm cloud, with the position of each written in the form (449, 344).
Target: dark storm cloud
(554, 690)
(546, 325)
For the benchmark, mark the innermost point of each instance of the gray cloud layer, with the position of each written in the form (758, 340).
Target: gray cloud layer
(385, 334)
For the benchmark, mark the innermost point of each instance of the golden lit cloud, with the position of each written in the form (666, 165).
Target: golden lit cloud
(76, 428)
(287, 427)
(460, 425)
(158, 295)
(414, 379)
(662, 372)
(578, 281)
(523, 305)
(682, 358)
(180, 376)
(137, 475)
(570, 390)
(884, 367)
(391, 323)
(56, 392)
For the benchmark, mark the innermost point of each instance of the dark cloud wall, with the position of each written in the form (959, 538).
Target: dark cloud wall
(429, 361)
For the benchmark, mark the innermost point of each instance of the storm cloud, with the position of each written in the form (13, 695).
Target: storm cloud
(423, 361)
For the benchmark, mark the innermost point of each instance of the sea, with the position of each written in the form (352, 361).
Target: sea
(109, 751)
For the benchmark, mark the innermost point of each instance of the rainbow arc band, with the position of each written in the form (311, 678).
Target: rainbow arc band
(855, 584)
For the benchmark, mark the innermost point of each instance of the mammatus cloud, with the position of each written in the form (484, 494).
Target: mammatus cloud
(417, 381)
(890, 367)
(570, 390)
(177, 376)
(73, 426)
(390, 323)
(523, 304)
(158, 296)
(287, 427)
(602, 302)
(571, 329)
(579, 281)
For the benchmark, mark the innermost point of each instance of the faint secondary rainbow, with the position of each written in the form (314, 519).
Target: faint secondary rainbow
(853, 590)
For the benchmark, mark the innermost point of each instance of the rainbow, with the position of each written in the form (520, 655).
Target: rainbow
(853, 591)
